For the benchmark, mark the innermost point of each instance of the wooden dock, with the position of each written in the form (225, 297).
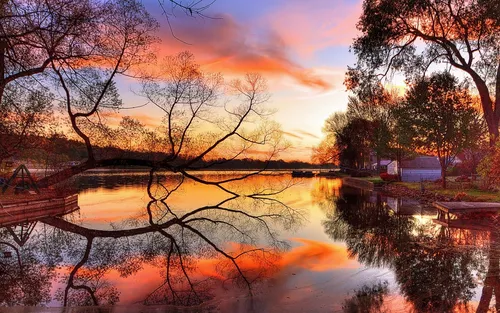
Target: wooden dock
(21, 212)
(467, 215)
(468, 207)
(468, 224)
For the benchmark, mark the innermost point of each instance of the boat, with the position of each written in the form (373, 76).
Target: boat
(302, 174)
(328, 174)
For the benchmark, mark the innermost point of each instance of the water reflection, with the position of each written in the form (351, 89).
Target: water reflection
(184, 254)
(436, 267)
(176, 242)
(367, 299)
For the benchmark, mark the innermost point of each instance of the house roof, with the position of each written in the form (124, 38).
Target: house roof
(383, 163)
(422, 162)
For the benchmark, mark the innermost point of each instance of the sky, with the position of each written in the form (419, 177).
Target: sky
(300, 47)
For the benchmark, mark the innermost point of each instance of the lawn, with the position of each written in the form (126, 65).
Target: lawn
(373, 179)
(469, 191)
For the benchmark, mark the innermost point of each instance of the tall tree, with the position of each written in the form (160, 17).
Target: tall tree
(464, 34)
(71, 37)
(439, 112)
(354, 142)
(374, 104)
(327, 150)
(35, 33)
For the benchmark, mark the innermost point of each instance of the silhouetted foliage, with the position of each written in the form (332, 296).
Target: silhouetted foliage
(461, 33)
(440, 116)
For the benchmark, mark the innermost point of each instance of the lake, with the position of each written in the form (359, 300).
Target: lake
(270, 243)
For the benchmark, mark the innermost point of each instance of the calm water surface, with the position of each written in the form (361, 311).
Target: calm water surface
(160, 243)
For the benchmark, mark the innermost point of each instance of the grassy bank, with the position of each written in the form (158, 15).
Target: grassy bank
(373, 179)
(455, 191)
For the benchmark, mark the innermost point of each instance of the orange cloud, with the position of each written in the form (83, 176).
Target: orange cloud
(224, 45)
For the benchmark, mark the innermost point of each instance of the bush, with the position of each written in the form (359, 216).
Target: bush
(360, 173)
(453, 171)
(460, 196)
(489, 168)
(388, 177)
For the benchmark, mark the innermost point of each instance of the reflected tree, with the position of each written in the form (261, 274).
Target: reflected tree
(235, 235)
(437, 279)
(434, 273)
(25, 280)
(371, 232)
(367, 299)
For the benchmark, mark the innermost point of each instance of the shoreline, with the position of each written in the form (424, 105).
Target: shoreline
(432, 192)
(429, 195)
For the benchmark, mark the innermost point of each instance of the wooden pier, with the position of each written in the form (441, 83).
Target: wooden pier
(473, 215)
(21, 212)
(468, 207)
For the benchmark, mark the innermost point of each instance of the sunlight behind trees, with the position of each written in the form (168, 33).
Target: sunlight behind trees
(461, 33)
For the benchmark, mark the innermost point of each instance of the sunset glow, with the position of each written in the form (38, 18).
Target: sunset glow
(250, 156)
(304, 64)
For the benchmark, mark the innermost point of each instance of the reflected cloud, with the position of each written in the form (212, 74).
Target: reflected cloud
(318, 256)
(184, 242)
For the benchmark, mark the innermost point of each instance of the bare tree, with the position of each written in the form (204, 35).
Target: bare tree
(34, 34)
(202, 120)
(24, 118)
(68, 35)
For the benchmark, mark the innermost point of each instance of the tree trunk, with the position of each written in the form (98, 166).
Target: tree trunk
(3, 48)
(398, 161)
(491, 281)
(378, 163)
(491, 110)
(443, 176)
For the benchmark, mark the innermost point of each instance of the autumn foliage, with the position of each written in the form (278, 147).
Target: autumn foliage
(489, 168)
(388, 177)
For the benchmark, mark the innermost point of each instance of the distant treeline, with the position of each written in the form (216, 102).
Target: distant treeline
(58, 150)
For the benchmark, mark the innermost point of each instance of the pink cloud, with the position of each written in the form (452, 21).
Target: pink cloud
(316, 24)
(225, 45)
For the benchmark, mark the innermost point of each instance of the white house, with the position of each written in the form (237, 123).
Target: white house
(383, 164)
(420, 168)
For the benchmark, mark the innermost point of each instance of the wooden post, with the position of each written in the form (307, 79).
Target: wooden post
(21, 168)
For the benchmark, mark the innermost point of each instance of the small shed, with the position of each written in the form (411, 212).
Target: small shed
(420, 168)
(383, 165)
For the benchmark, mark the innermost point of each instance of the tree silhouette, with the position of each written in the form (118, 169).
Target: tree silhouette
(463, 34)
(440, 115)
(237, 233)
(433, 272)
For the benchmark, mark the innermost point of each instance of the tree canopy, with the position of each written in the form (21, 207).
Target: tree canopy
(439, 114)
(410, 36)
